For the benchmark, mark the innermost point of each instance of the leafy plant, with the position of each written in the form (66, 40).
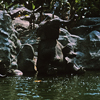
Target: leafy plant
(87, 8)
(84, 8)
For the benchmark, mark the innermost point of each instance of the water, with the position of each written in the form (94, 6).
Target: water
(84, 87)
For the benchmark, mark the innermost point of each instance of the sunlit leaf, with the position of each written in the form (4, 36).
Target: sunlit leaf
(26, 15)
(33, 6)
(77, 1)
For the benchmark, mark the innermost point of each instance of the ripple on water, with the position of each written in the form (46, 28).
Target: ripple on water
(21, 94)
(91, 94)
(51, 88)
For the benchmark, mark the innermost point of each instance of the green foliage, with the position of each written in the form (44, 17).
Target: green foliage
(87, 8)
(84, 8)
(77, 1)
(33, 6)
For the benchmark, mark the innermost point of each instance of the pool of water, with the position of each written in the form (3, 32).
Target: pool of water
(84, 87)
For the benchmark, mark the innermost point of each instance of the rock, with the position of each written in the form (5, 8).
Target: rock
(83, 38)
(89, 21)
(81, 30)
(8, 40)
(18, 23)
(14, 72)
(86, 25)
(49, 15)
(14, 65)
(25, 59)
(17, 72)
(3, 76)
(65, 38)
(22, 10)
(89, 55)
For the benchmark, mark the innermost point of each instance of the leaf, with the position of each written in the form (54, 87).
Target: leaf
(77, 1)
(33, 6)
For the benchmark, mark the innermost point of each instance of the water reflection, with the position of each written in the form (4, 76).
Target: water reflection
(84, 87)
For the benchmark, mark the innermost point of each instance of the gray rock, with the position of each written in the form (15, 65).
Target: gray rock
(90, 51)
(21, 10)
(86, 25)
(25, 59)
(18, 23)
(89, 21)
(66, 38)
(8, 40)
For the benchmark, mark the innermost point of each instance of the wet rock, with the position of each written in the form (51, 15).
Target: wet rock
(19, 11)
(81, 30)
(85, 40)
(86, 25)
(89, 21)
(8, 40)
(25, 59)
(20, 24)
(89, 55)
(14, 72)
(66, 38)
(49, 15)
(87, 46)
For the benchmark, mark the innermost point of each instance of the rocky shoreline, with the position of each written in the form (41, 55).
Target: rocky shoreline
(19, 43)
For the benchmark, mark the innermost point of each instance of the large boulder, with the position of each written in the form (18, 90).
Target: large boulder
(66, 38)
(19, 11)
(86, 25)
(88, 52)
(87, 48)
(12, 55)
(20, 25)
(9, 43)
(25, 59)
(89, 21)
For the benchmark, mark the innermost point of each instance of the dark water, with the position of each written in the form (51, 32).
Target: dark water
(85, 87)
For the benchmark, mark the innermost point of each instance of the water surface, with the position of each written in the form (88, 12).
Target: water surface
(84, 87)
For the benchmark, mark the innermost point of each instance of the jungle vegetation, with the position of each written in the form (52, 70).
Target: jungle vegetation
(83, 8)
